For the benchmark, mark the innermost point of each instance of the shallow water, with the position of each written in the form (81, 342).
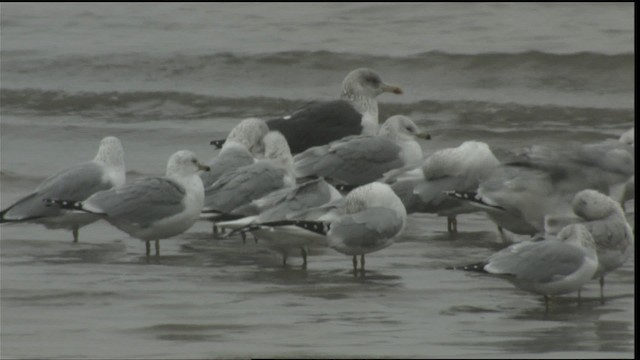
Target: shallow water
(174, 76)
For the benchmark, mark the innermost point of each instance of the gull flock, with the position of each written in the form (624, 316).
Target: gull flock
(329, 175)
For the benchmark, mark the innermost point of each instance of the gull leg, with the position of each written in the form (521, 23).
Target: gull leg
(454, 223)
(546, 303)
(284, 259)
(75, 234)
(215, 231)
(602, 289)
(579, 299)
(355, 265)
(148, 246)
(449, 225)
(304, 257)
(157, 247)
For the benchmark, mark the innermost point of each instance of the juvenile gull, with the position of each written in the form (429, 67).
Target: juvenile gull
(358, 160)
(605, 220)
(150, 208)
(355, 113)
(245, 184)
(76, 183)
(549, 265)
(461, 169)
(281, 205)
(369, 219)
(242, 145)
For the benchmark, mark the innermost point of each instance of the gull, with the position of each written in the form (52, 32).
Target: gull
(285, 204)
(242, 145)
(358, 160)
(151, 208)
(605, 220)
(239, 187)
(368, 219)
(549, 265)
(460, 169)
(75, 183)
(355, 113)
(543, 180)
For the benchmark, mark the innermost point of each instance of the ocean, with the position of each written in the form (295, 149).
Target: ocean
(169, 76)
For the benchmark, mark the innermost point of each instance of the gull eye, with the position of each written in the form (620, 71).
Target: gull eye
(194, 161)
(409, 129)
(373, 80)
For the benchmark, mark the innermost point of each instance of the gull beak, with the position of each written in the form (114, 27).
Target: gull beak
(423, 135)
(203, 167)
(391, 89)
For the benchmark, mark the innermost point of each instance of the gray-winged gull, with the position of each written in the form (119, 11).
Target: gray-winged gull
(605, 220)
(549, 265)
(355, 113)
(461, 169)
(358, 160)
(151, 208)
(76, 183)
(543, 181)
(368, 219)
(242, 145)
(286, 204)
(245, 184)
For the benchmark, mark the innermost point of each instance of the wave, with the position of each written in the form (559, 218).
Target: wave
(142, 107)
(325, 60)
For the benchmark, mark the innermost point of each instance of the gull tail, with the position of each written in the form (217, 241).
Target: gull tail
(217, 143)
(318, 227)
(476, 267)
(473, 198)
(345, 187)
(67, 205)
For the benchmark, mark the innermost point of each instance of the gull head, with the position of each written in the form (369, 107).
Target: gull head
(249, 132)
(367, 83)
(593, 205)
(277, 149)
(402, 128)
(111, 152)
(184, 163)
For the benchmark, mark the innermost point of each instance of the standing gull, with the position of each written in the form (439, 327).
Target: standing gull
(605, 220)
(461, 168)
(358, 160)
(285, 204)
(242, 145)
(76, 183)
(543, 181)
(150, 208)
(550, 265)
(369, 219)
(355, 113)
(245, 184)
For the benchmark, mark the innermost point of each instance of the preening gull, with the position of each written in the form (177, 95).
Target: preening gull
(286, 204)
(151, 208)
(605, 220)
(460, 169)
(543, 181)
(242, 145)
(548, 265)
(358, 160)
(76, 183)
(369, 219)
(245, 184)
(355, 113)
